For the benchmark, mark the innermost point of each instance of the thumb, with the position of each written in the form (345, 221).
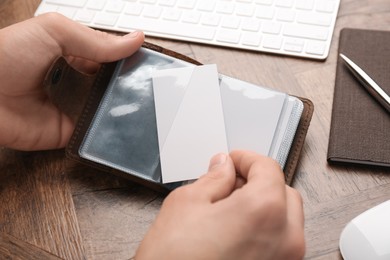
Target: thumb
(219, 181)
(75, 39)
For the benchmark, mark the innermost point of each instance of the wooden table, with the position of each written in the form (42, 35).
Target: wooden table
(52, 207)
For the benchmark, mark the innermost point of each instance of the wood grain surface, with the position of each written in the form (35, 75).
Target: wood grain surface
(53, 208)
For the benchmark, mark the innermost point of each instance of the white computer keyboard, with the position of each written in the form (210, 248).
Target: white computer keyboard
(301, 28)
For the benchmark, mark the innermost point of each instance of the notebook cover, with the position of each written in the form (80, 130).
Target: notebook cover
(360, 126)
(63, 85)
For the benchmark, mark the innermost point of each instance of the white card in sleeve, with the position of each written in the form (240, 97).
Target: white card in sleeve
(190, 122)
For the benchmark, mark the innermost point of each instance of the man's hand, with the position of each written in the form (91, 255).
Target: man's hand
(29, 121)
(221, 216)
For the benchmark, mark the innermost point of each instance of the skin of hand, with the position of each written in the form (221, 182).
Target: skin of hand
(240, 209)
(27, 50)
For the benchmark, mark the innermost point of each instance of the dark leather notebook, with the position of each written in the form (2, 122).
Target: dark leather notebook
(360, 126)
(80, 96)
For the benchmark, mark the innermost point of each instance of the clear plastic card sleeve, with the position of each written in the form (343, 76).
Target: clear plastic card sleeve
(123, 132)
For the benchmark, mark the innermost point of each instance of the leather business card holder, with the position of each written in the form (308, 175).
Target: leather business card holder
(79, 95)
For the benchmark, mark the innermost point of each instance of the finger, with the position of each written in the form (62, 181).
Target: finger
(51, 131)
(240, 182)
(78, 40)
(83, 65)
(261, 172)
(61, 127)
(295, 238)
(244, 161)
(219, 181)
(294, 207)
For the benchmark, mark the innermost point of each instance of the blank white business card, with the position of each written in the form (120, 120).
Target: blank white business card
(190, 121)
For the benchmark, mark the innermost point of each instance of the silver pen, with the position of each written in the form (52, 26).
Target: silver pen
(374, 89)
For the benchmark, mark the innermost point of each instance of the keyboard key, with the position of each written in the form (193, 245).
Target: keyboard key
(67, 11)
(46, 8)
(225, 7)
(272, 42)
(206, 5)
(171, 14)
(316, 48)
(304, 4)
(251, 39)
(134, 9)
(250, 24)
(167, 2)
(314, 19)
(309, 32)
(74, 3)
(152, 11)
(106, 19)
(96, 4)
(284, 3)
(285, 15)
(271, 27)
(85, 16)
(265, 12)
(187, 4)
(245, 10)
(264, 2)
(325, 6)
(211, 19)
(191, 17)
(229, 36)
(231, 22)
(294, 45)
(115, 6)
(166, 27)
(150, 2)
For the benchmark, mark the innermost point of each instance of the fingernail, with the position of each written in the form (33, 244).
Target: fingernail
(132, 34)
(217, 160)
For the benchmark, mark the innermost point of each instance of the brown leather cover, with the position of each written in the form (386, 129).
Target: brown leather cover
(299, 139)
(79, 96)
(359, 131)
